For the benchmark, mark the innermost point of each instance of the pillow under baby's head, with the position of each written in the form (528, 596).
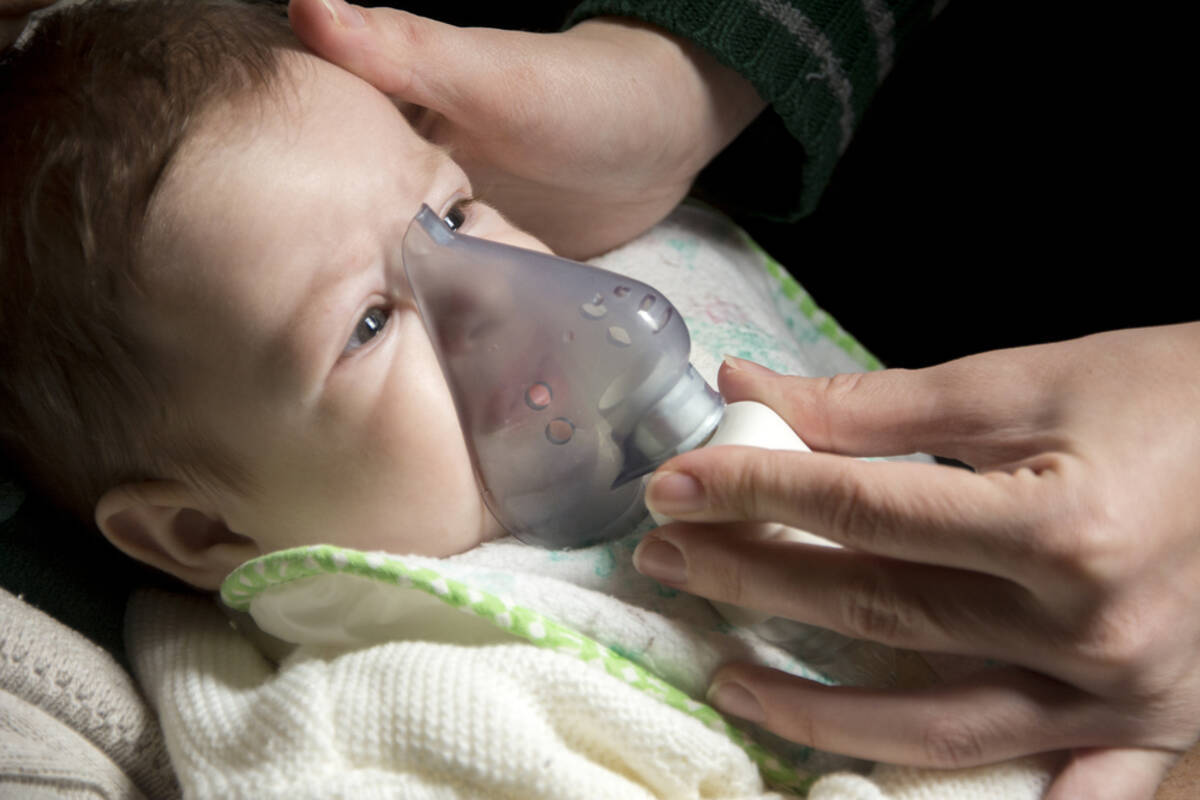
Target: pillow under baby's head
(93, 105)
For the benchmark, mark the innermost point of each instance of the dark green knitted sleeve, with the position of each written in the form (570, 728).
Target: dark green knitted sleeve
(816, 62)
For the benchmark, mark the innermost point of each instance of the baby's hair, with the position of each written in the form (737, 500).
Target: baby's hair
(93, 106)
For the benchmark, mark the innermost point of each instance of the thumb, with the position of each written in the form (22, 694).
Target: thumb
(975, 409)
(405, 56)
(852, 414)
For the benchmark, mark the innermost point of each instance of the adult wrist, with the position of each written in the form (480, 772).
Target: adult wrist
(710, 103)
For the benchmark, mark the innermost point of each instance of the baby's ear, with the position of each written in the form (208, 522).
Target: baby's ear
(169, 526)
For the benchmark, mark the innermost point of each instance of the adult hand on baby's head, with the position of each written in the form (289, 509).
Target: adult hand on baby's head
(14, 15)
(584, 138)
(1073, 552)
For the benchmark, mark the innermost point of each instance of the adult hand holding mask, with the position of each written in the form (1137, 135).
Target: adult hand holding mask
(584, 138)
(1072, 552)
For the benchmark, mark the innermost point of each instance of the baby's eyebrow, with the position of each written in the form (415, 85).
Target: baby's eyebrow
(437, 153)
(291, 347)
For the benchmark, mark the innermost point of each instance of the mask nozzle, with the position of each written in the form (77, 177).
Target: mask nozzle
(681, 420)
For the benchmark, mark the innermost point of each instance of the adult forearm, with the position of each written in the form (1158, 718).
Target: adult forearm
(817, 65)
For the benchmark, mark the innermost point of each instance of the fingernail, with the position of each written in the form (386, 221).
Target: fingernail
(660, 560)
(735, 699)
(742, 365)
(344, 14)
(672, 493)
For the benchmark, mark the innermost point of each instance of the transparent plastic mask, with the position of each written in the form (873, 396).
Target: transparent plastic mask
(570, 382)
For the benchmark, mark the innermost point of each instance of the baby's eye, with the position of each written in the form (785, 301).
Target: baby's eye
(456, 216)
(367, 328)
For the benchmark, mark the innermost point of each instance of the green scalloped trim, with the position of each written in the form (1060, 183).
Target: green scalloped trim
(285, 566)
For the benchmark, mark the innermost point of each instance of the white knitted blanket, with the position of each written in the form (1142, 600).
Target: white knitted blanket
(505, 672)
(72, 724)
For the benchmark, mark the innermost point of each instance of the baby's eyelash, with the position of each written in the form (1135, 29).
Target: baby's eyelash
(459, 212)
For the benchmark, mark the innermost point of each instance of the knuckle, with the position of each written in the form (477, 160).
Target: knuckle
(871, 609)
(728, 581)
(1089, 555)
(1123, 644)
(1079, 539)
(797, 727)
(749, 485)
(844, 505)
(745, 488)
(409, 29)
(951, 742)
(404, 42)
(1064, 543)
(834, 391)
(719, 574)
(774, 493)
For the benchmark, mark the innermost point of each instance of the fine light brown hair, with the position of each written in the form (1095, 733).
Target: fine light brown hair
(93, 105)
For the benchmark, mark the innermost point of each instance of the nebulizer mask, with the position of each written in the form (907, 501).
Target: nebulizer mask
(571, 382)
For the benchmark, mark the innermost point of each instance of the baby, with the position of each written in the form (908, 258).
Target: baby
(269, 380)
(207, 348)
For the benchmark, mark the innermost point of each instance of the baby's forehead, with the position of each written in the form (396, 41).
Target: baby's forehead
(303, 96)
(227, 128)
(311, 106)
(269, 192)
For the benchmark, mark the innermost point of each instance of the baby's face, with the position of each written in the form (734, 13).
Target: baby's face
(274, 251)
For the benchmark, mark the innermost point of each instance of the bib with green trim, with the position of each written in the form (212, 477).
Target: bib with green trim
(587, 604)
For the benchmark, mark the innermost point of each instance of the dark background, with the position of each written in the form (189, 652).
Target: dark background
(1019, 178)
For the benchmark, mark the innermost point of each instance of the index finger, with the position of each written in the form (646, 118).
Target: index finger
(917, 512)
